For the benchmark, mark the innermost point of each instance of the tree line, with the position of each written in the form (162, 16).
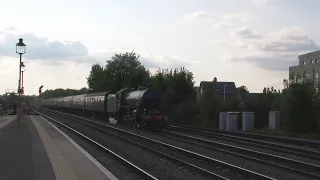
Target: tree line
(7, 100)
(298, 102)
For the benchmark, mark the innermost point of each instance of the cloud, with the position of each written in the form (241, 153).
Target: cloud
(196, 15)
(39, 73)
(8, 30)
(246, 33)
(56, 52)
(229, 20)
(274, 51)
(221, 25)
(147, 60)
(221, 43)
(40, 48)
(271, 62)
(288, 40)
(261, 2)
(241, 16)
(166, 61)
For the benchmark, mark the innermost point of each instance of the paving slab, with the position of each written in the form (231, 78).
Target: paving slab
(68, 159)
(22, 155)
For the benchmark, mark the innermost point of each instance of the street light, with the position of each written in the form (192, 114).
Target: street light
(23, 69)
(224, 92)
(20, 49)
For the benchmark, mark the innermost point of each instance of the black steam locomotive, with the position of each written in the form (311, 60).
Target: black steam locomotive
(133, 107)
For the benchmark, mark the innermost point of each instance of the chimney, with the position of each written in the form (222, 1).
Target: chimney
(214, 79)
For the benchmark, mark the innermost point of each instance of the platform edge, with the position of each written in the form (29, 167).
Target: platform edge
(7, 121)
(92, 159)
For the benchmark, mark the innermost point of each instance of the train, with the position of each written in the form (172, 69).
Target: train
(135, 107)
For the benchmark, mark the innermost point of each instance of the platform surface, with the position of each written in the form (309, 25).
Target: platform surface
(37, 150)
(6, 120)
(22, 155)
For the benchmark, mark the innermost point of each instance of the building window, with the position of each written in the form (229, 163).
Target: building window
(311, 61)
(303, 62)
(317, 77)
(317, 60)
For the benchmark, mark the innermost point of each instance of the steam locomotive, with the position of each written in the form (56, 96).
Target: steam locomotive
(133, 107)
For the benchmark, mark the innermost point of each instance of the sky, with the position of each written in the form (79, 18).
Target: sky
(249, 42)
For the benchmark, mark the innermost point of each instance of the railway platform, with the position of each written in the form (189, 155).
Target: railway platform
(35, 149)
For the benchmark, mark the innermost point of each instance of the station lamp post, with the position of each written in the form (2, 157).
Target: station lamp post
(224, 92)
(20, 49)
(23, 69)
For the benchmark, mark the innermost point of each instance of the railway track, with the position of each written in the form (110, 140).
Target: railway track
(299, 167)
(287, 140)
(142, 173)
(276, 147)
(210, 167)
(8, 113)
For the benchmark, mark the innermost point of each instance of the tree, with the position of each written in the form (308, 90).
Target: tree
(63, 92)
(209, 106)
(177, 86)
(301, 105)
(96, 79)
(125, 70)
(242, 90)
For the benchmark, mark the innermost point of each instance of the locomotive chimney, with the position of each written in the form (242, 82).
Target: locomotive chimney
(214, 79)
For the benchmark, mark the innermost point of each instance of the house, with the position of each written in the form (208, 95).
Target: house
(225, 90)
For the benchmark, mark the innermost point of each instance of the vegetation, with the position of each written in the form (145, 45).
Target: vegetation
(298, 102)
(8, 99)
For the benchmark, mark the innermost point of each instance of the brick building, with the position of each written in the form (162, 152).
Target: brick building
(225, 90)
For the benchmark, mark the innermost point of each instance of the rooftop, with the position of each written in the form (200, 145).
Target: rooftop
(219, 85)
(310, 53)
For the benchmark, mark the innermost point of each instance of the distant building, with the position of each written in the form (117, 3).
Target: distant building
(223, 89)
(310, 64)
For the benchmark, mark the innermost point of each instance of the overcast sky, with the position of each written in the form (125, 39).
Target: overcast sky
(250, 42)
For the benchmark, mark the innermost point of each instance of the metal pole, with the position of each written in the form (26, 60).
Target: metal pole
(19, 74)
(22, 79)
(224, 93)
(19, 104)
